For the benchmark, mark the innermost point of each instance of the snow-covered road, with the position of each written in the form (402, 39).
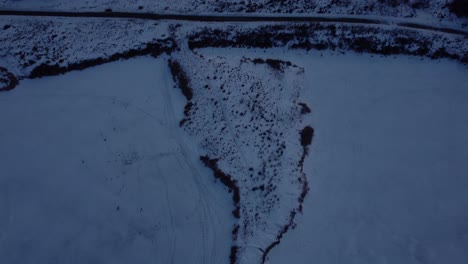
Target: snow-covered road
(349, 19)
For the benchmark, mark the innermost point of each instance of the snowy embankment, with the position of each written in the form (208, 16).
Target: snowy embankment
(94, 169)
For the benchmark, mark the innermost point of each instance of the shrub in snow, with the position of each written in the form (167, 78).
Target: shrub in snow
(306, 136)
(459, 7)
(8, 81)
(419, 3)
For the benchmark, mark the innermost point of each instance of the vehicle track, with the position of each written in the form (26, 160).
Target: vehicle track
(238, 18)
(208, 218)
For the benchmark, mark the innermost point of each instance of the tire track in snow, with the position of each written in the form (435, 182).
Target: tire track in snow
(208, 217)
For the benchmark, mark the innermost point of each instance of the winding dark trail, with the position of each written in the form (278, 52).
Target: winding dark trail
(234, 18)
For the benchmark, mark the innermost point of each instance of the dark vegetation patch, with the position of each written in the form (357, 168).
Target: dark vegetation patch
(396, 3)
(233, 254)
(274, 64)
(182, 81)
(307, 6)
(420, 4)
(261, 188)
(305, 109)
(231, 184)
(154, 49)
(283, 231)
(187, 108)
(307, 134)
(181, 78)
(317, 36)
(304, 190)
(8, 81)
(459, 7)
(226, 179)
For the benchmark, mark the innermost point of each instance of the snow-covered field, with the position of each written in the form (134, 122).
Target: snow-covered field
(101, 170)
(106, 165)
(94, 169)
(387, 169)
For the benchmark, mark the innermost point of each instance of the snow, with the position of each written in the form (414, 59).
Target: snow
(94, 163)
(387, 168)
(247, 115)
(94, 169)
(30, 42)
(69, 41)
